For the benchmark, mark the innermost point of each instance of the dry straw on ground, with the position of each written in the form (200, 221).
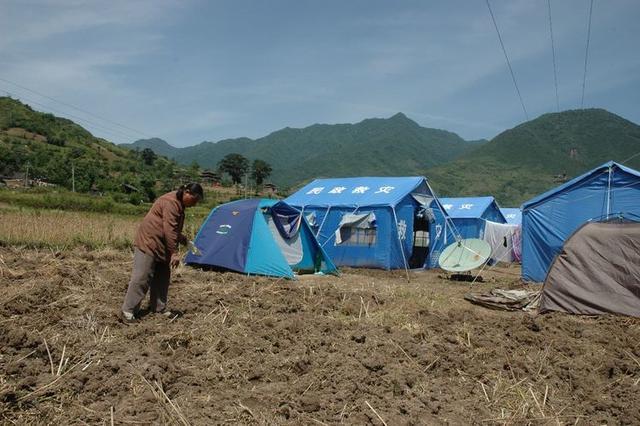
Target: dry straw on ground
(54, 228)
(362, 348)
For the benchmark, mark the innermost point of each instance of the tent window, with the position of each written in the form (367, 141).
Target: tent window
(421, 239)
(353, 236)
(357, 230)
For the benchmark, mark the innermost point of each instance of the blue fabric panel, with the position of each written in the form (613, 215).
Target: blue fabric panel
(548, 220)
(224, 237)
(375, 255)
(576, 181)
(264, 256)
(512, 215)
(327, 266)
(625, 195)
(360, 191)
(318, 212)
(405, 211)
(286, 219)
(494, 214)
(438, 233)
(311, 250)
(330, 199)
(467, 228)
(467, 207)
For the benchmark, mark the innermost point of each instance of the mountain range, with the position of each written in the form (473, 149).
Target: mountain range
(377, 146)
(535, 156)
(514, 166)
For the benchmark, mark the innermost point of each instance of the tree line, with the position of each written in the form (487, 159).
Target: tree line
(237, 167)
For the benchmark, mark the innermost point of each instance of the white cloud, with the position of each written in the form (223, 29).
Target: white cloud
(27, 22)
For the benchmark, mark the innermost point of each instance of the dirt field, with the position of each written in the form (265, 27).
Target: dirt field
(366, 347)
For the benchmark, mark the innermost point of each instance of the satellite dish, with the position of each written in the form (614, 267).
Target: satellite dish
(464, 255)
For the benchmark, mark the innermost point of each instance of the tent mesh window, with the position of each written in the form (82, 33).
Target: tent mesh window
(421, 239)
(354, 236)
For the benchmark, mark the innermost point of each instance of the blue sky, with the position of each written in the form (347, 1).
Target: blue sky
(190, 71)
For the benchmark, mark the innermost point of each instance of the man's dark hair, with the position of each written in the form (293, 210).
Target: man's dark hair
(191, 188)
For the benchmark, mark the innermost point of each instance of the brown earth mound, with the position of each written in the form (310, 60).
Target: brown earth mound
(365, 347)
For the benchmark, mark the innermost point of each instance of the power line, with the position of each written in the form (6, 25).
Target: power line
(586, 54)
(553, 51)
(79, 119)
(629, 159)
(74, 107)
(75, 117)
(513, 77)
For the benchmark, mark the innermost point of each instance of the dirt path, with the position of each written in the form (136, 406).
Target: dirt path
(365, 347)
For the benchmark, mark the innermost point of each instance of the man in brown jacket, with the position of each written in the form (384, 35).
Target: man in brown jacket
(156, 250)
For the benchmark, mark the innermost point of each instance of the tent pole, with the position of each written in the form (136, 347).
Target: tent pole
(326, 214)
(404, 258)
(333, 234)
(447, 219)
(609, 191)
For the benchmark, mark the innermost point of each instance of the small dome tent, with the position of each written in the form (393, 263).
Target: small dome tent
(597, 271)
(261, 237)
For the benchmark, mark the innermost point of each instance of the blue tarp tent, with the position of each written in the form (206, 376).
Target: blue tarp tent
(261, 237)
(469, 214)
(549, 219)
(379, 222)
(513, 216)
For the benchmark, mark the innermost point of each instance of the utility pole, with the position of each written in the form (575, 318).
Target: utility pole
(73, 178)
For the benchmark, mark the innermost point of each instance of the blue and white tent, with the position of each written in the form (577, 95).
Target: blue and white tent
(549, 219)
(469, 214)
(513, 216)
(259, 237)
(379, 222)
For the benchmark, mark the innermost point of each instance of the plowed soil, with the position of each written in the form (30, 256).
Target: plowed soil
(363, 348)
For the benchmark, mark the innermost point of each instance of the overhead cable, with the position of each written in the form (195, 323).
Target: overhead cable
(553, 51)
(586, 54)
(81, 120)
(513, 77)
(74, 107)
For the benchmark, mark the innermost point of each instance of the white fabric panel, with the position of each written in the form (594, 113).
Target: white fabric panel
(496, 234)
(422, 199)
(363, 220)
(311, 219)
(291, 248)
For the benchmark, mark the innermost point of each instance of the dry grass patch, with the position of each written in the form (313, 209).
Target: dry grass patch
(54, 228)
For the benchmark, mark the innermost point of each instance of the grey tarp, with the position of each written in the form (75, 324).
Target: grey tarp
(506, 300)
(597, 271)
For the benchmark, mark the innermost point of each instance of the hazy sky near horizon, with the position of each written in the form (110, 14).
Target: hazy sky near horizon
(189, 71)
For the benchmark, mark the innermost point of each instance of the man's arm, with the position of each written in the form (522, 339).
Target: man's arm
(170, 223)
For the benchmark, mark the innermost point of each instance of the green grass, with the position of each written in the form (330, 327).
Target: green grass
(69, 201)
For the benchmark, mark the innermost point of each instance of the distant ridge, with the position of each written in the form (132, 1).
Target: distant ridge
(63, 153)
(537, 155)
(159, 146)
(375, 146)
